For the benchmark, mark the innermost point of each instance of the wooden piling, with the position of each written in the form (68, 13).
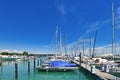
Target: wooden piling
(28, 66)
(38, 62)
(34, 63)
(80, 59)
(16, 71)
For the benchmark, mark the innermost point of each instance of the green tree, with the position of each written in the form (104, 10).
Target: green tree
(4, 53)
(25, 53)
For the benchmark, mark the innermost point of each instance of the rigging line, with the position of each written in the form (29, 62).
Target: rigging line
(55, 36)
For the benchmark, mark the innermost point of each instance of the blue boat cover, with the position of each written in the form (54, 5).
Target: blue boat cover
(62, 64)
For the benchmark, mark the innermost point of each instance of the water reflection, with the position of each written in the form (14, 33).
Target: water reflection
(76, 75)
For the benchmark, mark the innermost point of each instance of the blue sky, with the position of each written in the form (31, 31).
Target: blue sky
(30, 24)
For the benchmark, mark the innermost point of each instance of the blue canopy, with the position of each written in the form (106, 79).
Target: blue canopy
(62, 64)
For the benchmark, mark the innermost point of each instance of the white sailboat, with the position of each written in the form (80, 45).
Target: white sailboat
(57, 63)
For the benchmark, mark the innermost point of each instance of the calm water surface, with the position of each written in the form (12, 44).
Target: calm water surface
(7, 72)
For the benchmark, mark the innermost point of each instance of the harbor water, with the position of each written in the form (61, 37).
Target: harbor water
(7, 72)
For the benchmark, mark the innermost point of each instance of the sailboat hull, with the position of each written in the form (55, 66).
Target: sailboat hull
(57, 69)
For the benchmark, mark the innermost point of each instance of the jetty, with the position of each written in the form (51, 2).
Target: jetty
(96, 73)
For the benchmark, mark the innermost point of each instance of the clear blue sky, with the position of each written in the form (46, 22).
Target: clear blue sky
(30, 24)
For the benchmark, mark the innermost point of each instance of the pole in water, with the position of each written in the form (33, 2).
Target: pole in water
(80, 59)
(38, 62)
(16, 71)
(28, 66)
(34, 63)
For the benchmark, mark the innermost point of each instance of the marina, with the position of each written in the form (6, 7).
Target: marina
(60, 40)
(39, 65)
(23, 73)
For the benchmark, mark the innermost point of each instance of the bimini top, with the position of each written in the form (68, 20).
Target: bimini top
(62, 64)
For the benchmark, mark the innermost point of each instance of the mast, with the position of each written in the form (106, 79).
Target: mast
(83, 47)
(90, 45)
(56, 36)
(65, 44)
(93, 55)
(112, 28)
(60, 42)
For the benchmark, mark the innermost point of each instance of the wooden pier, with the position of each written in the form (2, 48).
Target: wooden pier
(97, 72)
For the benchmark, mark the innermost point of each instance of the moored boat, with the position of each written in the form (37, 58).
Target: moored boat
(57, 69)
(58, 66)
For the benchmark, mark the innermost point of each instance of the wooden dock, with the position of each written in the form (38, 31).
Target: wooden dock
(97, 72)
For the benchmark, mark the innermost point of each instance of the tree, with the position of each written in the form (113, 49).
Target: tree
(4, 53)
(25, 53)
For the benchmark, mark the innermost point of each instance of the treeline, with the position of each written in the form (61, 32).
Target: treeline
(25, 53)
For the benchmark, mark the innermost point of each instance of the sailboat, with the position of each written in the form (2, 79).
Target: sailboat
(60, 56)
(57, 63)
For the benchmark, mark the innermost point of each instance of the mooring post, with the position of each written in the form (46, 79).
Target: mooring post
(16, 71)
(34, 62)
(40, 62)
(37, 62)
(28, 66)
(80, 59)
